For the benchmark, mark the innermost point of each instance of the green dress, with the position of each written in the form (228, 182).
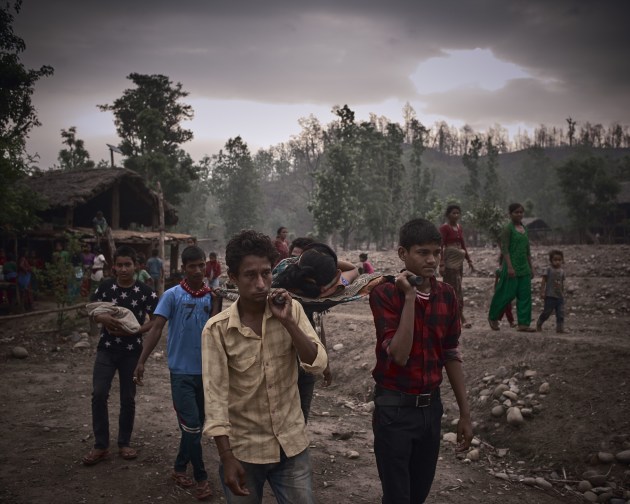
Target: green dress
(520, 286)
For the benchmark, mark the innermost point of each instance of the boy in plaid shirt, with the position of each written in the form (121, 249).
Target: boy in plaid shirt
(417, 334)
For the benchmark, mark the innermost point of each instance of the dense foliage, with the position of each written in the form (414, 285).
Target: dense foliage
(147, 119)
(17, 117)
(74, 156)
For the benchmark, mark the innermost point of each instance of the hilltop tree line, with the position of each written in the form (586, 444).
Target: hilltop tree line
(348, 180)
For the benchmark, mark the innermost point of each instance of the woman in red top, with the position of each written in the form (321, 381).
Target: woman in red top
(453, 254)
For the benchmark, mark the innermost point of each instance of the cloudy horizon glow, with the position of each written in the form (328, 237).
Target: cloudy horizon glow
(255, 68)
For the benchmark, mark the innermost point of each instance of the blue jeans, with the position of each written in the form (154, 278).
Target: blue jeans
(105, 367)
(187, 392)
(552, 304)
(290, 479)
(406, 446)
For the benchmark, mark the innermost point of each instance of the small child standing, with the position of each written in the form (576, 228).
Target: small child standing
(552, 291)
(366, 267)
(508, 309)
(213, 270)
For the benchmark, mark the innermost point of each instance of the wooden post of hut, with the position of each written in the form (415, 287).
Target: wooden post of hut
(161, 239)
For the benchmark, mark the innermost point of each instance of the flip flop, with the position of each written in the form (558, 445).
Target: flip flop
(182, 480)
(127, 453)
(203, 491)
(95, 456)
(494, 324)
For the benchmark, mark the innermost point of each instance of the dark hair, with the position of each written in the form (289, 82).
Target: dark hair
(126, 251)
(248, 242)
(301, 243)
(452, 207)
(514, 207)
(192, 253)
(322, 248)
(418, 232)
(363, 256)
(155, 252)
(280, 230)
(212, 254)
(317, 267)
(555, 252)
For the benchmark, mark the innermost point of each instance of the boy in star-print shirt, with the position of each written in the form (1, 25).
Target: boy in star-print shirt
(139, 298)
(119, 351)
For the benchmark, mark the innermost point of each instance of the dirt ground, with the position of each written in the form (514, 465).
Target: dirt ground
(46, 424)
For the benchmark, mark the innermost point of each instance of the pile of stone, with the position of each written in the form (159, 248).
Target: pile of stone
(515, 399)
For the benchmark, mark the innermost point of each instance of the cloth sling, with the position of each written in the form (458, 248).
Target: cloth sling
(454, 257)
(358, 289)
(126, 316)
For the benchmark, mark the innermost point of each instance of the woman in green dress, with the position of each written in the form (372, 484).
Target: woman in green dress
(517, 272)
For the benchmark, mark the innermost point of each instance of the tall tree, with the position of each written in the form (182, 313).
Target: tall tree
(409, 115)
(75, 157)
(335, 203)
(17, 118)
(235, 184)
(198, 213)
(492, 188)
(589, 190)
(471, 162)
(147, 120)
(420, 179)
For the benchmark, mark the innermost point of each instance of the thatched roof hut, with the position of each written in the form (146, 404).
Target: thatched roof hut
(128, 204)
(74, 197)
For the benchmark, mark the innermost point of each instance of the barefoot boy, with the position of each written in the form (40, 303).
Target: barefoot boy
(417, 333)
(250, 381)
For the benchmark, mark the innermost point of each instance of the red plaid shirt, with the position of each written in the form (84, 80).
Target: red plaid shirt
(435, 339)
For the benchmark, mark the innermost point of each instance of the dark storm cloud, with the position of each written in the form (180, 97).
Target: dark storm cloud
(329, 52)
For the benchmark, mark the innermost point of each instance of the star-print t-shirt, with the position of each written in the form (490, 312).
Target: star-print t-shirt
(139, 298)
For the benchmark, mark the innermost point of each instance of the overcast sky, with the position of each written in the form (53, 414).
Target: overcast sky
(254, 67)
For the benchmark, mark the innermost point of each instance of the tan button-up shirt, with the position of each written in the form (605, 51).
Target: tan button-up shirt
(250, 385)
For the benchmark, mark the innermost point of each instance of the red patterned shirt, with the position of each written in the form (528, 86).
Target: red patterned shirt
(452, 236)
(435, 339)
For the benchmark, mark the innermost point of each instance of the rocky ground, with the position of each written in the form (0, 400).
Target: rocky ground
(551, 411)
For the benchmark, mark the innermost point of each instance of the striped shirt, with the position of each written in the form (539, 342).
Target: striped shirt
(250, 385)
(435, 339)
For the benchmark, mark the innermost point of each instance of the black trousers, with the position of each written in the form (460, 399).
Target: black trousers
(406, 446)
(105, 367)
(306, 387)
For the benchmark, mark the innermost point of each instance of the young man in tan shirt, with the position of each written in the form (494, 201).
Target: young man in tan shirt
(252, 402)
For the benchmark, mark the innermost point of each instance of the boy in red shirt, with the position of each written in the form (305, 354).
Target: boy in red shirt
(417, 333)
(213, 270)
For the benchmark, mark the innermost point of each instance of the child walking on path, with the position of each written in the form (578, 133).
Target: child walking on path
(187, 307)
(552, 291)
(508, 309)
(417, 334)
(516, 274)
